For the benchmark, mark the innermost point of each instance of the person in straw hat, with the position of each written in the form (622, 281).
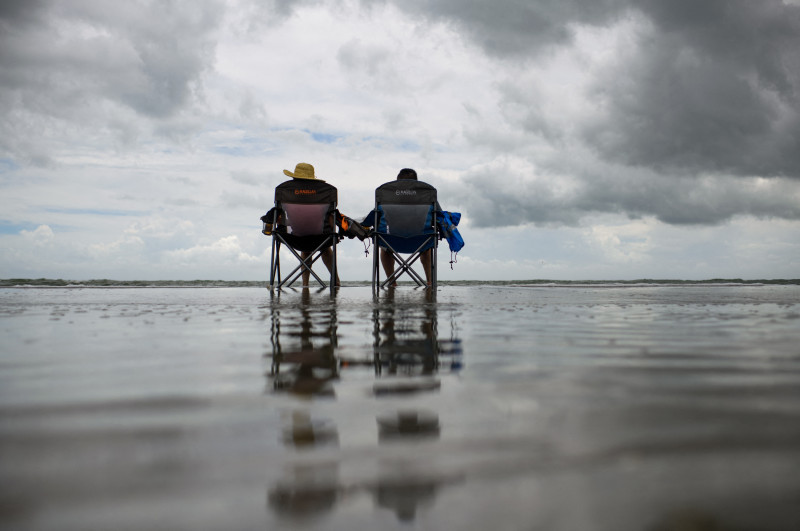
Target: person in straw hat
(305, 171)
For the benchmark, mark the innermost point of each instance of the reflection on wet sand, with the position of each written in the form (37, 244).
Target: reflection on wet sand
(408, 423)
(406, 343)
(310, 364)
(605, 408)
(307, 364)
(307, 491)
(405, 336)
(310, 491)
(303, 430)
(405, 497)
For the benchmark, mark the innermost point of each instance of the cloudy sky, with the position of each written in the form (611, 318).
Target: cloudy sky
(580, 139)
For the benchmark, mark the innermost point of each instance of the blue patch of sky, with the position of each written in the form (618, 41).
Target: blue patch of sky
(7, 165)
(11, 227)
(248, 146)
(408, 145)
(323, 138)
(16, 227)
(95, 212)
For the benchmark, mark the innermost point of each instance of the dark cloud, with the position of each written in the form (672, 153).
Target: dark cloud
(704, 103)
(714, 87)
(14, 13)
(710, 86)
(258, 16)
(515, 28)
(499, 197)
(78, 62)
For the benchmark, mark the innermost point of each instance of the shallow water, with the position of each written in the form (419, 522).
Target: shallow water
(488, 407)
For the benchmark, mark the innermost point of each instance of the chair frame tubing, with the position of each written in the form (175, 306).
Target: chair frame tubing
(304, 265)
(405, 264)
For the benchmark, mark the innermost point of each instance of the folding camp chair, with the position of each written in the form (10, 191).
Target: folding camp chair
(303, 221)
(404, 222)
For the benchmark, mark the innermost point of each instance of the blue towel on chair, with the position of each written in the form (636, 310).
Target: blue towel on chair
(447, 222)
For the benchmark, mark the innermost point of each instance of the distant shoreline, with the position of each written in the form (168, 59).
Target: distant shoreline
(108, 283)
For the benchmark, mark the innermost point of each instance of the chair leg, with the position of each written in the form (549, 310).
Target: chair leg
(274, 264)
(333, 266)
(405, 267)
(307, 263)
(435, 266)
(376, 276)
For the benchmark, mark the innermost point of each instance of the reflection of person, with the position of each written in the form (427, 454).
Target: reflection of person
(306, 171)
(314, 370)
(400, 349)
(387, 258)
(305, 369)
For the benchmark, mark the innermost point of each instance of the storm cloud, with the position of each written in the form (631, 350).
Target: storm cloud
(713, 87)
(98, 67)
(496, 199)
(706, 86)
(688, 119)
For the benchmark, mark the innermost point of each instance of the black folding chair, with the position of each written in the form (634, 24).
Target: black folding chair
(303, 220)
(404, 223)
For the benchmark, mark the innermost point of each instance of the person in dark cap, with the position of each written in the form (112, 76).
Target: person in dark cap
(387, 258)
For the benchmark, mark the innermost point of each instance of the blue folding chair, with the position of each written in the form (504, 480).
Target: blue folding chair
(404, 222)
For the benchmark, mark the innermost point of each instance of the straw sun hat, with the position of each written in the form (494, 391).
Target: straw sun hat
(302, 171)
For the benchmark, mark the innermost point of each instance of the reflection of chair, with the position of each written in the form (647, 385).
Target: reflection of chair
(303, 221)
(307, 365)
(405, 342)
(404, 222)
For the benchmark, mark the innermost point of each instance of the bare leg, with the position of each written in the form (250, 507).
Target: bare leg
(387, 261)
(426, 257)
(306, 275)
(327, 259)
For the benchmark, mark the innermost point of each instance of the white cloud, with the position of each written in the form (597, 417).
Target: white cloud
(622, 244)
(40, 237)
(118, 250)
(226, 250)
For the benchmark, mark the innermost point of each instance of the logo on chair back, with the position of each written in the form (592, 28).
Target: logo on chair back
(405, 192)
(305, 192)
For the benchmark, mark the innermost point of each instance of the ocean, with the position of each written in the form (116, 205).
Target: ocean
(643, 405)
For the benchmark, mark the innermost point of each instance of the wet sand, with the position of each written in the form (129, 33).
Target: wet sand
(596, 407)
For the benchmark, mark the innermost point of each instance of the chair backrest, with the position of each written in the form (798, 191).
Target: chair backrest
(406, 208)
(306, 219)
(307, 203)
